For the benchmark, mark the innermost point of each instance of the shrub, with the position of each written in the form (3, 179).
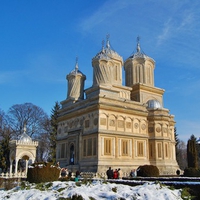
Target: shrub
(1, 182)
(148, 171)
(10, 183)
(185, 193)
(43, 172)
(191, 172)
(67, 178)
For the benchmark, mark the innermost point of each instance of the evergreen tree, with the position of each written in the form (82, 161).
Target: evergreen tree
(5, 136)
(177, 142)
(192, 152)
(5, 150)
(53, 133)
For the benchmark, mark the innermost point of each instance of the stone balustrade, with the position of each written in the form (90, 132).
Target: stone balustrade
(83, 175)
(21, 142)
(13, 175)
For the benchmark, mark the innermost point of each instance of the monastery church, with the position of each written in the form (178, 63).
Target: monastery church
(112, 125)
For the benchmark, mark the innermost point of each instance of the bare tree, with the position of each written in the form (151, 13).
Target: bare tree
(43, 150)
(30, 115)
(37, 126)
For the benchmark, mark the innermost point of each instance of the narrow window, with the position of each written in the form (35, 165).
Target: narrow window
(62, 150)
(94, 146)
(59, 149)
(166, 150)
(89, 147)
(116, 73)
(159, 150)
(124, 147)
(107, 146)
(84, 147)
(151, 150)
(140, 149)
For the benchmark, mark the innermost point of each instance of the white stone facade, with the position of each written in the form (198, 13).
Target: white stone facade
(117, 126)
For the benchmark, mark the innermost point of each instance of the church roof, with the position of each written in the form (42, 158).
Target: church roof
(25, 138)
(153, 104)
(139, 53)
(76, 71)
(107, 52)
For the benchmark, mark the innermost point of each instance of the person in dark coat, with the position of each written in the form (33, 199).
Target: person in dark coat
(63, 172)
(109, 173)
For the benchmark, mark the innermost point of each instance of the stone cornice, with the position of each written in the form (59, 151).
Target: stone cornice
(139, 87)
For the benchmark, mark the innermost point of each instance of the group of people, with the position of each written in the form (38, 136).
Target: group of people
(133, 173)
(64, 172)
(113, 174)
(116, 174)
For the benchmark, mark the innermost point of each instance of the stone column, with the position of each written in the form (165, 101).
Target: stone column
(11, 161)
(26, 169)
(16, 165)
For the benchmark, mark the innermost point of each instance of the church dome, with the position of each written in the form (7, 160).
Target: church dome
(25, 138)
(153, 104)
(107, 53)
(139, 53)
(76, 71)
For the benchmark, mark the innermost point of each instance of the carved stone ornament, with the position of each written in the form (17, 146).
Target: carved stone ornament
(95, 121)
(65, 129)
(165, 130)
(70, 124)
(158, 129)
(143, 126)
(87, 123)
(112, 122)
(136, 125)
(151, 129)
(81, 122)
(128, 124)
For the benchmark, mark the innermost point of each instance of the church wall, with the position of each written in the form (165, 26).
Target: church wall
(114, 126)
(161, 141)
(122, 122)
(123, 140)
(78, 131)
(143, 96)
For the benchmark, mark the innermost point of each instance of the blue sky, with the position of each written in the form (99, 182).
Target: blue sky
(40, 40)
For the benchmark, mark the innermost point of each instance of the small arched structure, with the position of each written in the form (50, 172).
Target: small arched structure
(24, 148)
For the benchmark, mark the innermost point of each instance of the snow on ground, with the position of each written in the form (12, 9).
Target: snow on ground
(97, 190)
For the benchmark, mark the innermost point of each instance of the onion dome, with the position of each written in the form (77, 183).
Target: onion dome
(24, 137)
(107, 53)
(153, 104)
(76, 71)
(139, 53)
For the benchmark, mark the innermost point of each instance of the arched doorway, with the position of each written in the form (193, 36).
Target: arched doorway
(71, 161)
